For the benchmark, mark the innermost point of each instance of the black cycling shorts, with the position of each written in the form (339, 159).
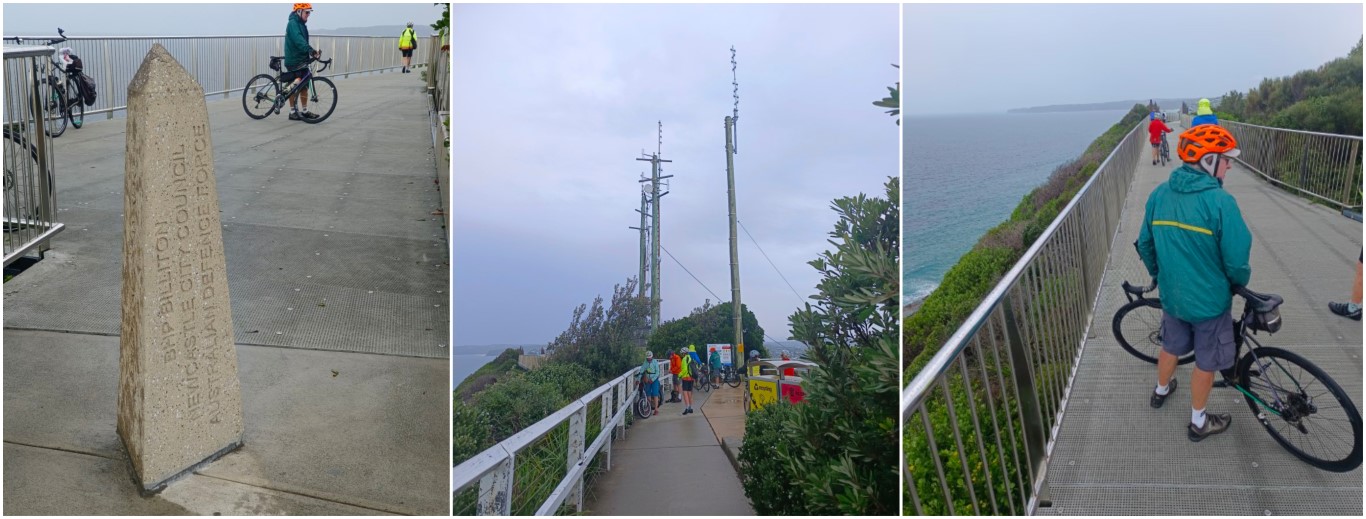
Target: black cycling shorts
(407, 53)
(687, 385)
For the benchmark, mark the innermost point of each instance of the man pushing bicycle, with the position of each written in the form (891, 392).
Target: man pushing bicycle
(297, 54)
(1195, 244)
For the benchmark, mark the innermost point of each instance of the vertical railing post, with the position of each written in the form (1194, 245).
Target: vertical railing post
(623, 393)
(227, 67)
(1036, 437)
(108, 77)
(607, 412)
(495, 489)
(576, 445)
(1349, 181)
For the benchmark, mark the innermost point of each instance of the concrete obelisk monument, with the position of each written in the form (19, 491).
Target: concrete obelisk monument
(180, 402)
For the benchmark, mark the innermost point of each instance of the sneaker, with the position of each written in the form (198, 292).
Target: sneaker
(1345, 310)
(1156, 400)
(294, 116)
(1214, 424)
(308, 115)
(1154, 163)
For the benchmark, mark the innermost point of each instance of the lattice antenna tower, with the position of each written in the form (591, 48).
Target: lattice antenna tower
(735, 94)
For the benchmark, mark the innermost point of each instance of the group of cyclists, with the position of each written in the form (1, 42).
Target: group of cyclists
(688, 370)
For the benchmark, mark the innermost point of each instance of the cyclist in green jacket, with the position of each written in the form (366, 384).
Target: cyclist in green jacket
(1195, 244)
(297, 52)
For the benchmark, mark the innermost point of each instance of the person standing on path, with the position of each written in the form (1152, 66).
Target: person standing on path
(686, 369)
(297, 54)
(1194, 242)
(715, 361)
(406, 43)
(649, 377)
(674, 363)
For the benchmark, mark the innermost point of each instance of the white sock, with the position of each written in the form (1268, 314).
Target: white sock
(1198, 418)
(1163, 389)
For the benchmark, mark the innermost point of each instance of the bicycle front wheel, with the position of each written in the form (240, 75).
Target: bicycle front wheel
(261, 97)
(733, 378)
(322, 96)
(1309, 414)
(1138, 329)
(54, 116)
(642, 406)
(75, 108)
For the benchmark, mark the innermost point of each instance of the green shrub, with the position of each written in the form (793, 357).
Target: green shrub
(767, 477)
(831, 450)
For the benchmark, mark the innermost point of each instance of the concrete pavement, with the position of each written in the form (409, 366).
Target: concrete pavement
(337, 271)
(663, 458)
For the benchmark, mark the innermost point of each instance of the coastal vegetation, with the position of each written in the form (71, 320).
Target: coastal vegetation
(1326, 99)
(829, 454)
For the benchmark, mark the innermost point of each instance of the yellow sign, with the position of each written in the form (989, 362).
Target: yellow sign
(762, 392)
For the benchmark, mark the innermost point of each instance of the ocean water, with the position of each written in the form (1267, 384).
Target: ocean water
(462, 365)
(964, 174)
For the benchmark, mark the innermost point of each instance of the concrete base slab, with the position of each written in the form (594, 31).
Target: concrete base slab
(342, 433)
(725, 411)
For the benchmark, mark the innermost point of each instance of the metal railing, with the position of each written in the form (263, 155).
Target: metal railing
(1325, 166)
(221, 64)
(994, 394)
(438, 74)
(512, 478)
(29, 204)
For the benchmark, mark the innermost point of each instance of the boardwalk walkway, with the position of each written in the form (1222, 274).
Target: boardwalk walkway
(671, 464)
(338, 275)
(1115, 455)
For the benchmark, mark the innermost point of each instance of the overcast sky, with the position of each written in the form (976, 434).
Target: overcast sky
(990, 58)
(195, 19)
(552, 105)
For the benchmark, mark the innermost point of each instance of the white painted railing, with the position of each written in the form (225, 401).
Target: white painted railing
(494, 471)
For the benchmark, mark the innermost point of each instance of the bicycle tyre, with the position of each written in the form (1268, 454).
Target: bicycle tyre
(13, 220)
(1346, 463)
(642, 406)
(733, 378)
(55, 123)
(75, 108)
(261, 97)
(704, 383)
(328, 97)
(1144, 339)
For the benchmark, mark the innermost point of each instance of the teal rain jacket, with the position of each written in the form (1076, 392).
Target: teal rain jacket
(1195, 243)
(296, 42)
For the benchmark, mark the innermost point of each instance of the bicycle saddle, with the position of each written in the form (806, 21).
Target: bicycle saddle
(1260, 302)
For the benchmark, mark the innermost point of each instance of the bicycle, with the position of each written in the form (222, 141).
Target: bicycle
(265, 95)
(59, 105)
(702, 380)
(1278, 385)
(730, 376)
(642, 407)
(1164, 152)
(19, 189)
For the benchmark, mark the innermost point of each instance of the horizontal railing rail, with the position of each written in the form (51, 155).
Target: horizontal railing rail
(494, 472)
(29, 202)
(1320, 165)
(221, 64)
(994, 394)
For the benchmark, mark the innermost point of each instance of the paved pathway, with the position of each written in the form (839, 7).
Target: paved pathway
(663, 458)
(338, 277)
(1116, 455)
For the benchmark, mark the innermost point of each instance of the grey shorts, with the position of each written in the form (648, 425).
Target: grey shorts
(1211, 339)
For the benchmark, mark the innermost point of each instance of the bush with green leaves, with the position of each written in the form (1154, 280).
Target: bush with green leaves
(707, 324)
(1326, 99)
(832, 449)
(606, 339)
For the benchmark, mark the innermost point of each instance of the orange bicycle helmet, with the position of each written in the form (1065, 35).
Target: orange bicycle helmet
(303, 6)
(1203, 140)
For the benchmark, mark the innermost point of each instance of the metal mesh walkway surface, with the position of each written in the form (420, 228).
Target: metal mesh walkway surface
(1116, 455)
